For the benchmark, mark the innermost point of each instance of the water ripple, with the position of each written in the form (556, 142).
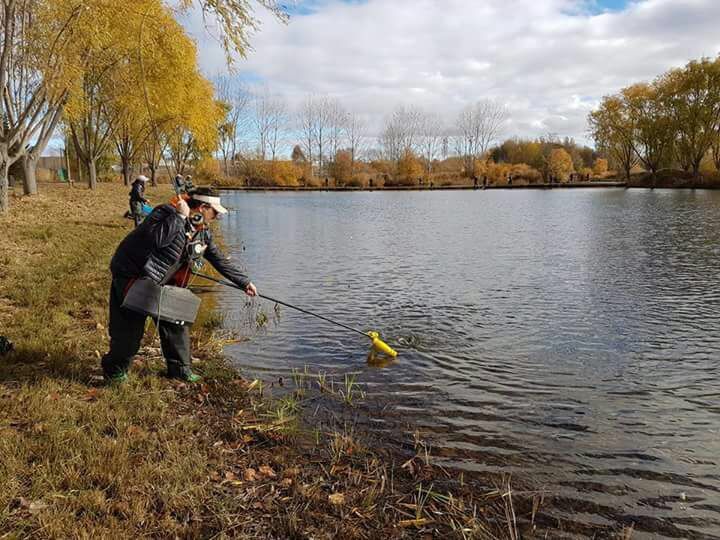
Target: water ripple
(570, 337)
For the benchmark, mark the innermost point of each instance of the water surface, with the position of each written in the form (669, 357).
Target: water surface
(571, 336)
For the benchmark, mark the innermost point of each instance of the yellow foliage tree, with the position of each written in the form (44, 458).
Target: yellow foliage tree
(560, 164)
(600, 167)
(409, 169)
(342, 167)
(692, 95)
(613, 128)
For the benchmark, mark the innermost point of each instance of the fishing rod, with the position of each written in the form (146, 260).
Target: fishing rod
(378, 344)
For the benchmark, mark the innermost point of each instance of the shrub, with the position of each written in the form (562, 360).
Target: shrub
(600, 167)
(207, 171)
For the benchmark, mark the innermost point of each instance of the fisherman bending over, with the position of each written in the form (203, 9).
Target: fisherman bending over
(137, 198)
(162, 249)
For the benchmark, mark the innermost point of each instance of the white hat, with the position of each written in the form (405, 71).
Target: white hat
(212, 201)
(142, 178)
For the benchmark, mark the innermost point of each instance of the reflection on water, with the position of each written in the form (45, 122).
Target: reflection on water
(568, 336)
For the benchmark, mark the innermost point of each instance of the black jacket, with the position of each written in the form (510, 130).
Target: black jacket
(137, 193)
(158, 247)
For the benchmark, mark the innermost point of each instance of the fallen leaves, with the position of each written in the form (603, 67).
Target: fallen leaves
(336, 499)
(267, 471)
(415, 522)
(91, 394)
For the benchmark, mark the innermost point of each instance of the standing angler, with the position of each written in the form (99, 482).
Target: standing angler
(137, 198)
(162, 249)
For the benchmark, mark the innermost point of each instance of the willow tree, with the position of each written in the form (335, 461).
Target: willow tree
(194, 131)
(34, 39)
(692, 95)
(613, 129)
(153, 88)
(105, 59)
(235, 20)
(653, 126)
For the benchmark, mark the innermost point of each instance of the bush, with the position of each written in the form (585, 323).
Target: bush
(600, 167)
(207, 171)
(341, 168)
(271, 173)
(522, 171)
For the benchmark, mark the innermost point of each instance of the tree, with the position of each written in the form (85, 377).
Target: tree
(337, 120)
(409, 168)
(692, 96)
(355, 129)
(33, 53)
(342, 168)
(600, 167)
(269, 121)
(560, 164)
(478, 125)
(235, 20)
(194, 131)
(401, 133)
(93, 105)
(236, 101)
(307, 124)
(654, 130)
(613, 128)
(431, 137)
(298, 156)
(716, 152)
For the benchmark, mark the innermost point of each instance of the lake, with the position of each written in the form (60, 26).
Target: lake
(568, 336)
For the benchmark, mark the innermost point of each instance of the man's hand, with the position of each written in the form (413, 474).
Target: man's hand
(250, 290)
(182, 208)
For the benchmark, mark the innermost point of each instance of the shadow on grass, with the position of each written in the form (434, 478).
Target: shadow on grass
(24, 366)
(128, 224)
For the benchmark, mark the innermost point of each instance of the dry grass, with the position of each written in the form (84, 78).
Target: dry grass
(155, 458)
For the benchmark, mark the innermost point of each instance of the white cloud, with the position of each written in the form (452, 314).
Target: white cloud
(550, 61)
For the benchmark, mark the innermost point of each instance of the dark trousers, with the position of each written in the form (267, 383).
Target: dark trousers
(136, 211)
(126, 331)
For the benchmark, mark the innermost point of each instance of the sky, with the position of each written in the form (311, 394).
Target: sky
(548, 61)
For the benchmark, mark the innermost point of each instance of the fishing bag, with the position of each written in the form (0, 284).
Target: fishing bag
(165, 302)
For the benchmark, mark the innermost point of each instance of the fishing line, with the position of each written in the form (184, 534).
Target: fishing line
(378, 344)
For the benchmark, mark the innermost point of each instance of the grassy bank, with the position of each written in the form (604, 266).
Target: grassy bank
(163, 459)
(672, 178)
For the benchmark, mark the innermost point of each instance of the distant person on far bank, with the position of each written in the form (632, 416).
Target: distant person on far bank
(137, 199)
(178, 184)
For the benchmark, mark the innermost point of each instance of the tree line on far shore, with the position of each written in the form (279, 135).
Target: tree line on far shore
(672, 122)
(334, 146)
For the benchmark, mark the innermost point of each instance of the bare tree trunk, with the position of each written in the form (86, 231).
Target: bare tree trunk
(126, 170)
(79, 168)
(4, 187)
(92, 170)
(153, 175)
(29, 165)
